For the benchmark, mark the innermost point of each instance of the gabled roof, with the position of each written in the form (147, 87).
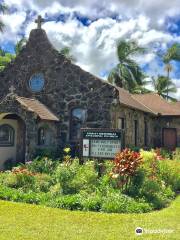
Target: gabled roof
(157, 104)
(37, 107)
(128, 99)
(149, 102)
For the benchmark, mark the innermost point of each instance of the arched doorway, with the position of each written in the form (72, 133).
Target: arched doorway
(12, 139)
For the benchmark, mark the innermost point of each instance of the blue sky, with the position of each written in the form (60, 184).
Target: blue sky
(92, 29)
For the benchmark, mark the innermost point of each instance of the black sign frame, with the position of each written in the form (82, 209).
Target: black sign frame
(100, 134)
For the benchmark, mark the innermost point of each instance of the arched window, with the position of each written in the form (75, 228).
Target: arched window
(41, 136)
(6, 136)
(78, 118)
(44, 136)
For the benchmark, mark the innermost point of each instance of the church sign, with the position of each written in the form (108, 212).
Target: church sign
(101, 143)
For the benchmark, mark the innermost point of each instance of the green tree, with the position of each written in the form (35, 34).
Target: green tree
(66, 51)
(163, 86)
(141, 89)
(5, 58)
(3, 9)
(19, 45)
(127, 73)
(173, 53)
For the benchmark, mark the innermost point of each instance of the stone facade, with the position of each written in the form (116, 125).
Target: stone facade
(130, 115)
(67, 86)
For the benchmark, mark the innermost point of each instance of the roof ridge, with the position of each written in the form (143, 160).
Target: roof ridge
(156, 113)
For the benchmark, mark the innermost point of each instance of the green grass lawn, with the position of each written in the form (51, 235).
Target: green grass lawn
(24, 221)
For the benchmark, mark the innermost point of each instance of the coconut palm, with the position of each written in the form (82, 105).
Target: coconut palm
(127, 73)
(168, 69)
(19, 45)
(163, 86)
(173, 53)
(3, 9)
(141, 89)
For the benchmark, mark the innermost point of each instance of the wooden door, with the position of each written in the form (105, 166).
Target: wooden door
(169, 138)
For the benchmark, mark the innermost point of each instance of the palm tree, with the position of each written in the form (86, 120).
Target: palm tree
(19, 45)
(141, 89)
(168, 69)
(127, 73)
(173, 53)
(3, 9)
(163, 86)
(66, 51)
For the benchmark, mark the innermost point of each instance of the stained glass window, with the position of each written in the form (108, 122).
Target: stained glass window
(36, 82)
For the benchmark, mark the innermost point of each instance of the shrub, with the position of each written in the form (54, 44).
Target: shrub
(176, 154)
(19, 178)
(116, 202)
(137, 182)
(42, 183)
(169, 172)
(156, 193)
(74, 178)
(64, 175)
(91, 202)
(56, 189)
(70, 202)
(41, 165)
(7, 193)
(126, 164)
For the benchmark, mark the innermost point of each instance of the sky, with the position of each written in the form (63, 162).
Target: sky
(92, 29)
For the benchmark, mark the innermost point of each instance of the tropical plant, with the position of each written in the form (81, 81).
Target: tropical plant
(5, 58)
(127, 73)
(66, 52)
(173, 53)
(141, 89)
(163, 86)
(126, 164)
(19, 45)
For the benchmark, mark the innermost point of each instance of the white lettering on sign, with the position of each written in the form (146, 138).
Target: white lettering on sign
(105, 148)
(86, 147)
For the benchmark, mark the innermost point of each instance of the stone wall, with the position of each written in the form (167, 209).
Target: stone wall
(130, 115)
(66, 85)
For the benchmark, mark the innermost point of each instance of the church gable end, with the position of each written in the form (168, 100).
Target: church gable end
(42, 73)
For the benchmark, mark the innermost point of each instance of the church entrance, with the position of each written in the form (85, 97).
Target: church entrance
(12, 139)
(169, 138)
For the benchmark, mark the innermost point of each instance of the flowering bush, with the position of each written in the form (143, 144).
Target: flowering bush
(125, 165)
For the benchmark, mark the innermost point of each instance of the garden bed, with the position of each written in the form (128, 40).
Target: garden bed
(132, 183)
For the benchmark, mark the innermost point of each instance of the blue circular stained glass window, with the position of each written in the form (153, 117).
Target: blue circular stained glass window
(36, 82)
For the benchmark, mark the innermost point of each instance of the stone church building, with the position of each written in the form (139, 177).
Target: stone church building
(45, 100)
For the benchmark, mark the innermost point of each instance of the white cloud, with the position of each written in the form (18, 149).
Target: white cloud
(13, 23)
(94, 46)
